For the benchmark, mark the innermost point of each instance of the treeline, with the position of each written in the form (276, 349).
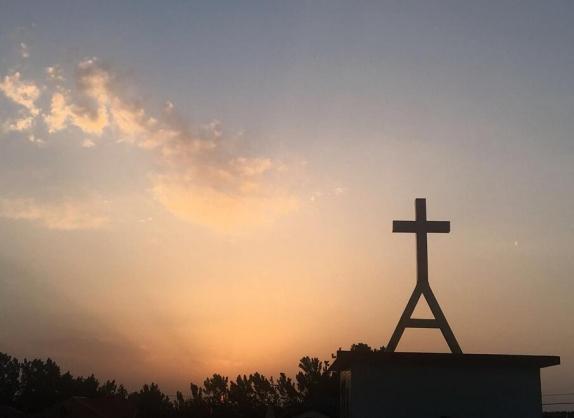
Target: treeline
(33, 386)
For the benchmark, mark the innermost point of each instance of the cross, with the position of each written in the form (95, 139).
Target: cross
(421, 227)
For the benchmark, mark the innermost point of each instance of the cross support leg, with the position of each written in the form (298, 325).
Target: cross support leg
(405, 317)
(439, 320)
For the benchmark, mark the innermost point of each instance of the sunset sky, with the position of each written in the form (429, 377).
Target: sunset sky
(195, 187)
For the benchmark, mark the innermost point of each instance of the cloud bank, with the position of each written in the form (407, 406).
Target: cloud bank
(201, 179)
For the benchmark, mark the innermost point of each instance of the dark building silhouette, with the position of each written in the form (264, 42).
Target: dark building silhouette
(405, 385)
(377, 384)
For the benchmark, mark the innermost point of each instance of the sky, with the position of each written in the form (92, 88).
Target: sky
(196, 187)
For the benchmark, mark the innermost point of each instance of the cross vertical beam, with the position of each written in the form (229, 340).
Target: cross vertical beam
(421, 227)
(422, 252)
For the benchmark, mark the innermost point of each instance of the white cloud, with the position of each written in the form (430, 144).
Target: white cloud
(201, 180)
(19, 125)
(54, 73)
(169, 106)
(24, 52)
(24, 93)
(251, 167)
(214, 129)
(205, 179)
(218, 209)
(66, 215)
(59, 113)
(88, 143)
(63, 114)
(35, 140)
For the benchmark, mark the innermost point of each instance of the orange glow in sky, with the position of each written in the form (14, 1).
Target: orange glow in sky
(211, 189)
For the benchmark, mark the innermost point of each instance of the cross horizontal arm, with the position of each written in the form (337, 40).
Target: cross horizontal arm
(438, 226)
(404, 226)
(427, 226)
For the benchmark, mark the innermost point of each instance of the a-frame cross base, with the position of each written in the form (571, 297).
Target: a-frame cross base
(439, 320)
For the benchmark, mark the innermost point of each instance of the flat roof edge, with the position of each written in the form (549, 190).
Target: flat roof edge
(345, 359)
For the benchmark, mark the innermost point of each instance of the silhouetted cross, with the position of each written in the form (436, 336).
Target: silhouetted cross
(421, 227)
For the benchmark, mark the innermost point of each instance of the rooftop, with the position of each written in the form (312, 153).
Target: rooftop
(346, 358)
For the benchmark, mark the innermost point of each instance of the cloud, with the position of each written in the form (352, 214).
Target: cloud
(23, 93)
(67, 215)
(59, 113)
(35, 140)
(63, 114)
(218, 209)
(24, 52)
(54, 73)
(336, 192)
(88, 143)
(199, 177)
(223, 194)
(19, 125)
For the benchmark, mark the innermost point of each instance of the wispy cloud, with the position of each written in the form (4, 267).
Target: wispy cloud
(19, 125)
(24, 93)
(67, 215)
(218, 209)
(54, 73)
(24, 52)
(200, 178)
(88, 143)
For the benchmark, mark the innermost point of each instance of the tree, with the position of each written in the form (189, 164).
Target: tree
(287, 394)
(216, 390)
(111, 389)
(309, 378)
(40, 385)
(242, 396)
(264, 391)
(197, 402)
(317, 386)
(9, 379)
(152, 403)
(361, 348)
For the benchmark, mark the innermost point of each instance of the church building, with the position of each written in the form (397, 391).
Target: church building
(389, 384)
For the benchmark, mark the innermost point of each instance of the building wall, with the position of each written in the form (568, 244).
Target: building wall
(345, 394)
(420, 391)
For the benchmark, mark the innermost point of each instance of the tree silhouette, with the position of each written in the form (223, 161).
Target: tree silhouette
(317, 387)
(40, 385)
(152, 403)
(111, 388)
(361, 348)
(36, 385)
(9, 379)
(287, 395)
